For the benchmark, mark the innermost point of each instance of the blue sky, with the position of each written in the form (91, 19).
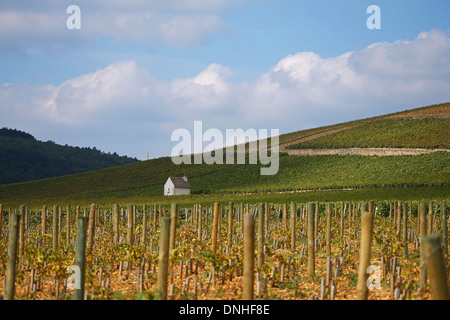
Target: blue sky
(138, 70)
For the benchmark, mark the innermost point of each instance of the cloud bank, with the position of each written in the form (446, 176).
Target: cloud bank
(28, 23)
(126, 109)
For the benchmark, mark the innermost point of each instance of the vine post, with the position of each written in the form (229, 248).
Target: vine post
(249, 256)
(260, 236)
(444, 226)
(215, 227)
(130, 238)
(405, 230)
(80, 257)
(12, 256)
(437, 272)
(292, 225)
(68, 220)
(328, 229)
(366, 240)
(163, 265)
(91, 227)
(230, 225)
(423, 232)
(116, 223)
(311, 249)
(55, 228)
(173, 225)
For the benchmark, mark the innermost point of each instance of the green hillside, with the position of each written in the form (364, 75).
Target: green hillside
(387, 133)
(25, 158)
(146, 179)
(424, 127)
(366, 177)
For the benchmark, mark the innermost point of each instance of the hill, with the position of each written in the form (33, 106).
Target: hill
(425, 127)
(360, 177)
(387, 133)
(25, 158)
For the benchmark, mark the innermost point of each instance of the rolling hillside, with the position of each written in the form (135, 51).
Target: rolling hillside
(425, 175)
(425, 127)
(387, 133)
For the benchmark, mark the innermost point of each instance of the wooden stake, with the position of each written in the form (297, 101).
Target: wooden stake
(329, 270)
(436, 267)
(55, 228)
(311, 262)
(399, 219)
(144, 224)
(405, 230)
(44, 220)
(430, 218)
(12, 256)
(230, 225)
(292, 225)
(130, 237)
(267, 218)
(68, 222)
(316, 220)
(163, 268)
(444, 227)
(249, 256)
(328, 229)
(80, 257)
(173, 225)
(261, 236)
(78, 214)
(351, 209)
(366, 239)
(91, 228)
(23, 213)
(342, 219)
(116, 223)
(200, 223)
(423, 269)
(390, 211)
(215, 227)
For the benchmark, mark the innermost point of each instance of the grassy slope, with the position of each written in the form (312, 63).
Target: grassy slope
(143, 182)
(389, 133)
(146, 179)
(379, 122)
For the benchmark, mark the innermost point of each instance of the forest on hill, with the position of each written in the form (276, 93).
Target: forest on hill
(25, 158)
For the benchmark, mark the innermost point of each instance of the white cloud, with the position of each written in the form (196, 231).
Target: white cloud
(24, 24)
(124, 101)
(207, 90)
(379, 76)
(18, 29)
(122, 85)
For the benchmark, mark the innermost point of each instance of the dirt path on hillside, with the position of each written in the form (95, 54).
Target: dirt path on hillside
(308, 137)
(313, 136)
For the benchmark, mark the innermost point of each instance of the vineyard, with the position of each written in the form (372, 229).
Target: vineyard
(398, 178)
(266, 251)
(391, 133)
(325, 227)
